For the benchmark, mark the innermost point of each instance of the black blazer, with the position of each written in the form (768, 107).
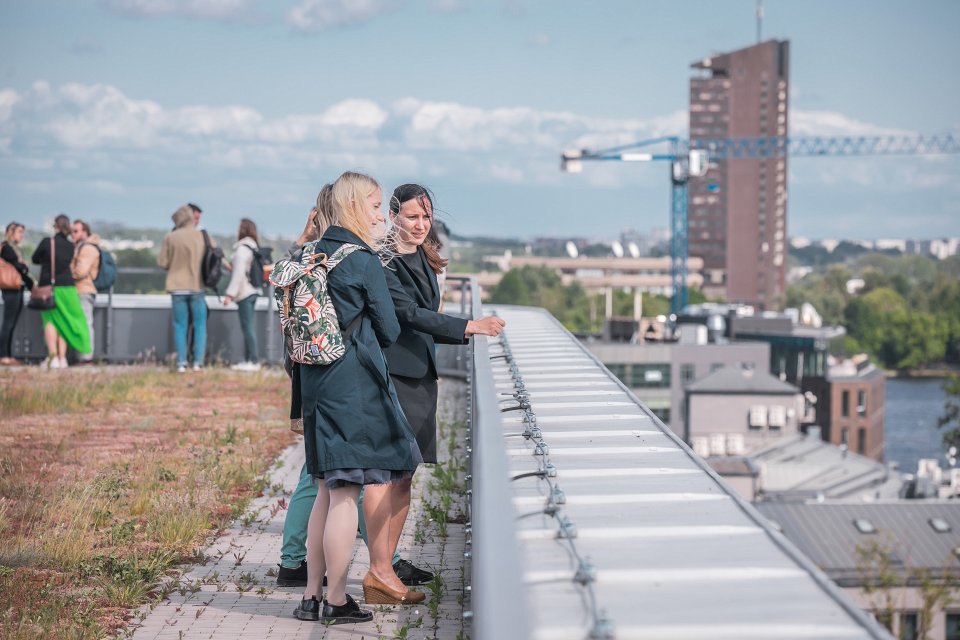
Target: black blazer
(412, 355)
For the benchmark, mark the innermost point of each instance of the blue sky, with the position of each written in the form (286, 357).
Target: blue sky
(125, 109)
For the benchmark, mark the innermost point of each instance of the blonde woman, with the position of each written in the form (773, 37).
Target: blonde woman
(12, 291)
(354, 430)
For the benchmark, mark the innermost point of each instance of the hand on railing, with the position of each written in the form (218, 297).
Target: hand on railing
(488, 326)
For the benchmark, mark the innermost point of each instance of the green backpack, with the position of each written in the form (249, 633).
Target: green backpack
(311, 330)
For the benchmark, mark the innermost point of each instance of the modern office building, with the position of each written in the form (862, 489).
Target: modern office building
(737, 212)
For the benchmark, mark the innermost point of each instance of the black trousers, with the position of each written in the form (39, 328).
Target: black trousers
(12, 305)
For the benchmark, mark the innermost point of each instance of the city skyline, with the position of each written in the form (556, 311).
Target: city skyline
(121, 110)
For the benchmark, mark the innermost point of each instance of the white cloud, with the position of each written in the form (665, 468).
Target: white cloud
(99, 131)
(96, 115)
(201, 9)
(8, 98)
(831, 123)
(320, 15)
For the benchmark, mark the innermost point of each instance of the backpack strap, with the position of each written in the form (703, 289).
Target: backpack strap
(340, 254)
(336, 258)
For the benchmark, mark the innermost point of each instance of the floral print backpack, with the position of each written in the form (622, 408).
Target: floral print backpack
(311, 330)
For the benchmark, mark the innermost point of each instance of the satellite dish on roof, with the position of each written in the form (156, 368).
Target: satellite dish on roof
(617, 248)
(633, 249)
(572, 249)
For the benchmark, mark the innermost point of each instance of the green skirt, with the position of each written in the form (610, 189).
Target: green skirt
(68, 319)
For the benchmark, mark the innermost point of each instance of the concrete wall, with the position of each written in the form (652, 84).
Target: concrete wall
(728, 415)
(129, 328)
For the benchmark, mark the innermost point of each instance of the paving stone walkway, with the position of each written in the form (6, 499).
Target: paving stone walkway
(235, 595)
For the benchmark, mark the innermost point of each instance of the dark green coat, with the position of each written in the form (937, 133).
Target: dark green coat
(351, 416)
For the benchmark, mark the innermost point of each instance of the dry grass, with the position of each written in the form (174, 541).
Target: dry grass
(109, 478)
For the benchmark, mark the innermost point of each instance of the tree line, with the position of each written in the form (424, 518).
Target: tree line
(906, 315)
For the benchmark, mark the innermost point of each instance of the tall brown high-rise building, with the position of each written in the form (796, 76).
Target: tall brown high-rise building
(738, 212)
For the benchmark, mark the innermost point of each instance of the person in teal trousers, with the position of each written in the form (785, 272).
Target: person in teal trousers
(293, 550)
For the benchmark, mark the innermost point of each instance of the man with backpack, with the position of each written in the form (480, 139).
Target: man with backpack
(85, 267)
(181, 255)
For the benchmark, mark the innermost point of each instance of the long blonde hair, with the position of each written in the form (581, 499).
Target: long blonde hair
(349, 203)
(10, 230)
(8, 234)
(323, 213)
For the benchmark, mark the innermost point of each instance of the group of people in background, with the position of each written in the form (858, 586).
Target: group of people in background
(69, 261)
(182, 255)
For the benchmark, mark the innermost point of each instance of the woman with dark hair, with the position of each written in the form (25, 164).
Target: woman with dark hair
(355, 434)
(12, 290)
(65, 324)
(243, 291)
(415, 290)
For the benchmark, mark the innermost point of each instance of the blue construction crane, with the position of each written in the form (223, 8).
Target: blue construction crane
(691, 158)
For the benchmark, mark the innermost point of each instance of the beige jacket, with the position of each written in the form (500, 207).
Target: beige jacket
(85, 265)
(182, 253)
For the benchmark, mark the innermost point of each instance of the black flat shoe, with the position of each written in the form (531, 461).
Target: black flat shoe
(294, 577)
(345, 613)
(411, 575)
(308, 610)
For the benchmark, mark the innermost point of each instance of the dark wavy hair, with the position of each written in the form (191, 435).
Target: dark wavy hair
(431, 245)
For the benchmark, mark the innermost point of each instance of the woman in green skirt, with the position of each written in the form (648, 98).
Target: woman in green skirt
(65, 324)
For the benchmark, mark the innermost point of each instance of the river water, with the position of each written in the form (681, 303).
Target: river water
(910, 421)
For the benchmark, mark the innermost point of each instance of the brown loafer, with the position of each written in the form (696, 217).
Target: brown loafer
(376, 592)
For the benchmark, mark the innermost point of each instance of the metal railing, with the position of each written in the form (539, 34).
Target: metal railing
(497, 609)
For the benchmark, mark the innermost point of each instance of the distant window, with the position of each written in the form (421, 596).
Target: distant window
(619, 370)
(861, 403)
(939, 525)
(686, 373)
(651, 376)
(861, 441)
(953, 626)
(845, 437)
(776, 418)
(908, 626)
(864, 526)
(845, 404)
(758, 417)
